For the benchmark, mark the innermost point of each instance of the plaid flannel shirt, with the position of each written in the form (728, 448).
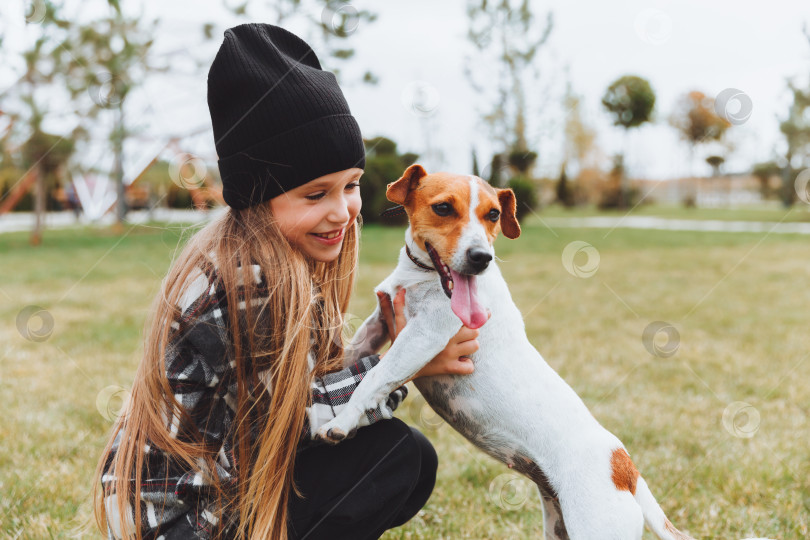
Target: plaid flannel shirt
(175, 502)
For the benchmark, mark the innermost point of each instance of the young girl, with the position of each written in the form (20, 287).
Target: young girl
(244, 357)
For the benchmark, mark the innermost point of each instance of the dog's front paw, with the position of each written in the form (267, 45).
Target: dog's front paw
(333, 432)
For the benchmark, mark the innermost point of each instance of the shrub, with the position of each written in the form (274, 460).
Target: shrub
(383, 166)
(525, 195)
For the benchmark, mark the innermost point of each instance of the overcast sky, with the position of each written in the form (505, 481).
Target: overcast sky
(677, 45)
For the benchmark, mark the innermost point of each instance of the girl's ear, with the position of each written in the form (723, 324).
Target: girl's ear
(509, 223)
(398, 191)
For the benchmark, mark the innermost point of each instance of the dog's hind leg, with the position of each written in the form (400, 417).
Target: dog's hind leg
(553, 522)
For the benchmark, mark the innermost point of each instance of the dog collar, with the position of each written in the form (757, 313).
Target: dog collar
(394, 211)
(416, 261)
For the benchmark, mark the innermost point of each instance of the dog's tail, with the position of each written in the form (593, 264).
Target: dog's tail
(654, 516)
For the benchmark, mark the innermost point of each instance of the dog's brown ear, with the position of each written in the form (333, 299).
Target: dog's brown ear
(509, 223)
(398, 191)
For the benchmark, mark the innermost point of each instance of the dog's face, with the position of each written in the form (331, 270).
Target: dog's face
(459, 216)
(455, 219)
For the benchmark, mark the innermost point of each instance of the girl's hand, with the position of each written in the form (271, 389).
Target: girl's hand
(454, 359)
(393, 316)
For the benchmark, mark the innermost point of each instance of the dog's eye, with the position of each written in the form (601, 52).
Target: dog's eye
(494, 215)
(442, 209)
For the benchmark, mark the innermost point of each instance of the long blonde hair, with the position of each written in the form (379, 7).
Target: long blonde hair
(281, 343)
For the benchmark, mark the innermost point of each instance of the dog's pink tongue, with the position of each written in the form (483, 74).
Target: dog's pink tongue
(464, 301)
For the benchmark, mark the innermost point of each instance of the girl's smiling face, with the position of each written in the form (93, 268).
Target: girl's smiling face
(321, 208)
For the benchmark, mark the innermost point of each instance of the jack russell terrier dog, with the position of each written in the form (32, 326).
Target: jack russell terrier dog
(514, 406)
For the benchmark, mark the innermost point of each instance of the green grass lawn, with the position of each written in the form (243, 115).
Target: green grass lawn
(739, 303)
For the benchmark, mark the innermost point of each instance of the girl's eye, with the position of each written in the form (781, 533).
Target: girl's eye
(320, 195)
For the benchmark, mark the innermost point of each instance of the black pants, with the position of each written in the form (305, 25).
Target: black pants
(363, 486)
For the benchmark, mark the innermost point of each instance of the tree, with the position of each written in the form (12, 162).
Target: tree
(41, 154)
(796, 130)
(764, 172)
(384, 164)
(331, 24)
(475, 170)
(580, 139)
(525, 195)
(715, 162)
(696, 120)
(512, 34)
(496, 166)
(565, 195)
(522, 160)
(612, 195)
(47, 155)
(630, 100)
(102, 62)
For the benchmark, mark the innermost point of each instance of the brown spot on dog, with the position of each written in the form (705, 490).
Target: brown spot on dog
(502, 200)
(418, 191)
(625, 473)
(509, 223)
(398, 191)
(487, 201)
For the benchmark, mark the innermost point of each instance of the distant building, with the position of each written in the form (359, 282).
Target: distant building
(742, 189)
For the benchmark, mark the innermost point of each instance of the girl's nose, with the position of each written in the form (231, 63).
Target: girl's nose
(339, 212)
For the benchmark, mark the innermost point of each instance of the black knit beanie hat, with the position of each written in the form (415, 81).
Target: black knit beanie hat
(279, 120)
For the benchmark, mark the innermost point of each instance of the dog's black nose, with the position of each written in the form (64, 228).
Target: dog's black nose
(478, 258)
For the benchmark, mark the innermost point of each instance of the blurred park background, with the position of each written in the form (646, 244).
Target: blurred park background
(660, 154)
